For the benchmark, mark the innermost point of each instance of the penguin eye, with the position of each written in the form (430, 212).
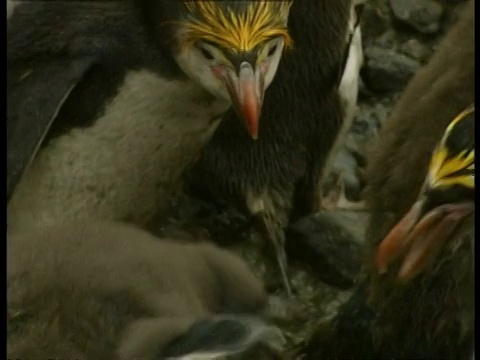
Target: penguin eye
(272, 50)
(206, 54)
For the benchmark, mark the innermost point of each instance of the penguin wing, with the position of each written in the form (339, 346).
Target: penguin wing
(35, 93)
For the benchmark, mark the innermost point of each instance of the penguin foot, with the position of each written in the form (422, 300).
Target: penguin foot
(273, 233)
(335, 198)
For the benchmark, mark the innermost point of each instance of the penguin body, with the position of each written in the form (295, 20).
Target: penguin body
(116, 118)
(275, 177)
(99, 290)
(123, 165)
(301, 113)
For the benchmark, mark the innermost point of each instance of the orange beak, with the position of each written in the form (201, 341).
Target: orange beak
(418, 239)
(246, 92)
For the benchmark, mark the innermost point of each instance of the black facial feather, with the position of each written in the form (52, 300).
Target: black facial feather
(462, 136)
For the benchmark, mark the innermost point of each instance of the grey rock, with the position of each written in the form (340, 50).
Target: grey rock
(415, 49)
(364, 94)
(345, 176)
(388, 40)
(386, 70)
(375, 21)
(453, 13)
(362, 131)
(423, 15)
(330, 243)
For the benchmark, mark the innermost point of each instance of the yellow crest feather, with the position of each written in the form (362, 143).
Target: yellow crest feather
(236, 31)
(442, 166)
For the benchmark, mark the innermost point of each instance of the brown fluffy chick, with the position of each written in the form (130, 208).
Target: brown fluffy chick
(112, 291)
(428, 314)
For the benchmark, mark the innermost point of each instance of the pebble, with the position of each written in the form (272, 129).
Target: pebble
(387, 70)
(422, 15)
(374, 22)
(415, 49)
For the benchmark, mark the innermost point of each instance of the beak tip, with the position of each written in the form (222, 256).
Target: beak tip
(380, 266)
(405, 276)
(251, 123)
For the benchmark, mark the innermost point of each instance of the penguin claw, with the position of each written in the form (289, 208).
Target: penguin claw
(329, 201)
(345, 204)
(335, 199)
(276, 239)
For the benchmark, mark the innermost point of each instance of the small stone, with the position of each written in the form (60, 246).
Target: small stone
(374, 22)
(388, 40)
(422, 15)
(415, 49)
(386, 70)
(331, 246)
(363, 92)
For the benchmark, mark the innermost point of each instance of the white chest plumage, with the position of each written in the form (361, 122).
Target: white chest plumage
(127, 163)
(348, 88)
(338, 161)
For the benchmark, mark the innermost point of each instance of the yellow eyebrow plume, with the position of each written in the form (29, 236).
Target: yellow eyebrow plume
(447, 170)
(236, 31)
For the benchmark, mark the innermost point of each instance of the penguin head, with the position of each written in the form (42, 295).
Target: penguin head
(446, 199)
(233, 49)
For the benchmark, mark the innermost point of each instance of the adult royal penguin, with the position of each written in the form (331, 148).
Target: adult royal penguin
(416, 300)
(275, 177)
(109, 101)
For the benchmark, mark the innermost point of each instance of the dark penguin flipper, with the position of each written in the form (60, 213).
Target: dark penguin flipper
(35, 94)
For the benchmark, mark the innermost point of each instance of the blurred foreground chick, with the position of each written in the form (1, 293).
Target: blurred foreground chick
(111, 291)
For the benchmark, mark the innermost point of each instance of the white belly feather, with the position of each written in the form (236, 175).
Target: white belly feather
(127, 163)
(348, 88)
(348, 92)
